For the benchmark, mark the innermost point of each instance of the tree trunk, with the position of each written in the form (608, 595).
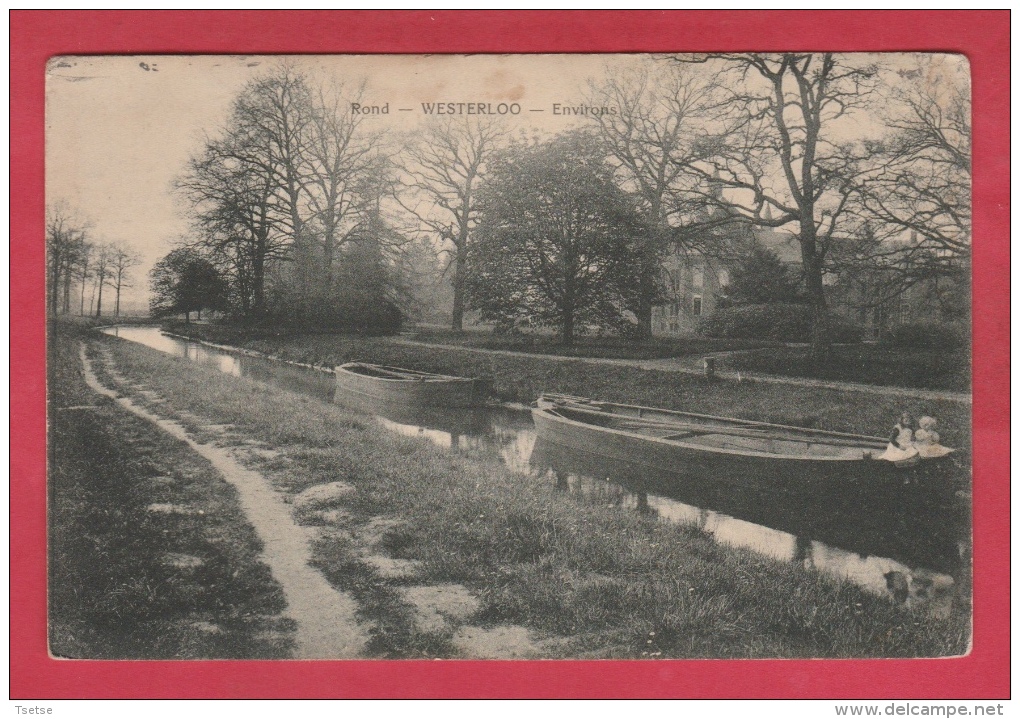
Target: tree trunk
(259, 282)
(567, 313)
(567, 334)
(99, 299)
(820, 346)
(67, 292)
(647, 281)
(458, 291)
(116, 305)
(53, 286)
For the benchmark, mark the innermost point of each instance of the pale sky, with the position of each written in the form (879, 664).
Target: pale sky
(119, 129)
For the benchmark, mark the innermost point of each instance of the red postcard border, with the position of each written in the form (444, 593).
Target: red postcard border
(982, 35)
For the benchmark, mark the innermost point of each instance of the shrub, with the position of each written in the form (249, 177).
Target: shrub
(778, 322)
(844, 331)
(927, 335)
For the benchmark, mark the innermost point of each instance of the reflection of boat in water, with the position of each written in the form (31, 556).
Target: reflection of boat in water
(395, 385)
(455, 421)
(761, 454)
(912, 529)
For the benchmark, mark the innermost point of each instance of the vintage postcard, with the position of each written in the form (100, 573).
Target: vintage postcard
(626, 356)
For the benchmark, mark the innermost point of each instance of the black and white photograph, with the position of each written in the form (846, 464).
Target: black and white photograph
(619, 356)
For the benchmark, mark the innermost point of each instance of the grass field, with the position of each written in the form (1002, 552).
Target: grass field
(583, 579)
(611, 347)
(150, 555)
(869, 364)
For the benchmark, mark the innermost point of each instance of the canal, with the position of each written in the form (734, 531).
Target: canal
(911, 551)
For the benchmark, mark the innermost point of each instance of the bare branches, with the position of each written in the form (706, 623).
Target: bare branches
(780, 151)
(443, 170)
(67, 255)
(654, 134)
(922, 185)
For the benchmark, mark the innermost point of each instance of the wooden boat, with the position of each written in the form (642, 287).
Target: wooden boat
(906, 522)
(409, 388)
(749, 451)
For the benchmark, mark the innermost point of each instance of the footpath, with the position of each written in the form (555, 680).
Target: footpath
(695, 365)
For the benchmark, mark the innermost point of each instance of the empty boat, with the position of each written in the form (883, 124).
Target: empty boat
(399, 387)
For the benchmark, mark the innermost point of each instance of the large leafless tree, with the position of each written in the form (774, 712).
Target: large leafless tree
(66, 254)
(657, 115)
(338, 154)
(780, 157)
(122, 261)
(916, 201)
(445, 167)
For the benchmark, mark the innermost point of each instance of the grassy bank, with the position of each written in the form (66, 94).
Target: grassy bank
(611, 347)
(869, 364)
(150, 555)
(934, 368)
(522, 379)
(585, 580)
(71, 321)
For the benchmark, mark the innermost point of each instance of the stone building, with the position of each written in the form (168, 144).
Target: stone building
(695, 283)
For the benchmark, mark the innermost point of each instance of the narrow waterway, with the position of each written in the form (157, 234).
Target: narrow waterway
(915, 552)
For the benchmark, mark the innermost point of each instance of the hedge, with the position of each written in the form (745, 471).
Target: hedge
(776, 322)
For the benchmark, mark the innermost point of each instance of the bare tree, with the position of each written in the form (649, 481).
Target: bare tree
(658, 114)
(247, 185)
(780, 161)
(102, 269)
(445, 167)
(65, 240)
(916, 200)
(122, 261)
(234, 218)
(84, 272)
(337, 155)
(281, 190)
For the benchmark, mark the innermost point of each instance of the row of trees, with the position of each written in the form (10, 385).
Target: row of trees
(288, 203)
(311, 214)
(78, 265)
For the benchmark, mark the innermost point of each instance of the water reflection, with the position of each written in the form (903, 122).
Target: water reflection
(909, 550)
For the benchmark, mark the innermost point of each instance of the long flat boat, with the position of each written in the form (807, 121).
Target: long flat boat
(408, 388)
(748, 451)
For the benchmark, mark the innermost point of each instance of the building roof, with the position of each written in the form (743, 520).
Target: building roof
(783, 243)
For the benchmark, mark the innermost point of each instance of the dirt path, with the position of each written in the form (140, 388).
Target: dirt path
(693, 365)
(327, 627)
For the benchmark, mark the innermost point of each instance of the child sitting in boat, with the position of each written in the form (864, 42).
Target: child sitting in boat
(903, 432)
(926, 439)
(901, 448)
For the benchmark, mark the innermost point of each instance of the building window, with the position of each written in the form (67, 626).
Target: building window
(724, 278)
(697, 305)
(698, 276)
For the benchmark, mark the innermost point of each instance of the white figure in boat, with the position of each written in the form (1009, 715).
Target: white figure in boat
(901, 449)
(926, 439)
(907, 445)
